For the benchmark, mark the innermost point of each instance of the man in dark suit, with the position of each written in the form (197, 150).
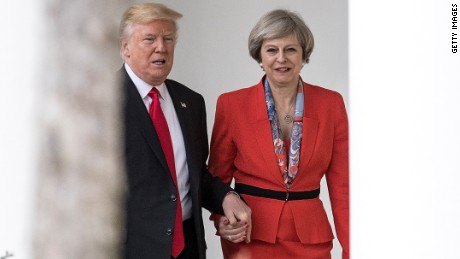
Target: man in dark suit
(167, 174)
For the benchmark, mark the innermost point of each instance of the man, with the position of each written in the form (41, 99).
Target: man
(166, 146)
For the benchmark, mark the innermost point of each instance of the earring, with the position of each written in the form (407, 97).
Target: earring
(261, 66)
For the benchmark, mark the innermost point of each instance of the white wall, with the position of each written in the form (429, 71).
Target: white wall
(405, 124)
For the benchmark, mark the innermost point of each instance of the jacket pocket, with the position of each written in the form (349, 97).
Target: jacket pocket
(311, 221)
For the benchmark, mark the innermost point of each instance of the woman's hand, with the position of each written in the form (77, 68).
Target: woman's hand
(237, 217)
(235, 232)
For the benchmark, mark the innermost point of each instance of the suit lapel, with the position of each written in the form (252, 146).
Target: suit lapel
(185, 109)
(263, 133)
(140, 116)
(309, 130)
(182, 107)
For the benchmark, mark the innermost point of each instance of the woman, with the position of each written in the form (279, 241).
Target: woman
(276, 140)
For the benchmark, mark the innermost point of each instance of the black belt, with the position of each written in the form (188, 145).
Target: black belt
(287, 196)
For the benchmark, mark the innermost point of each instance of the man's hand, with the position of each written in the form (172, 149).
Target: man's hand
(238, 216)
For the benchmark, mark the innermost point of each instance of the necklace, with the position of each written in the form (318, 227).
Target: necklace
(288, 118)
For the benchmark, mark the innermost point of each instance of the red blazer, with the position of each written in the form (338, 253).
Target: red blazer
(242, 149)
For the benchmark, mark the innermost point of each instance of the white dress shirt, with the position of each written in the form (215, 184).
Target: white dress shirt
(180, 158)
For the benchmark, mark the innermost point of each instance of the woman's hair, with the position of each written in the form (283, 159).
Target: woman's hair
(145, 13)
(278, 24)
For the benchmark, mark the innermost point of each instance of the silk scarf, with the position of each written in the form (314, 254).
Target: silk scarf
(288, 166)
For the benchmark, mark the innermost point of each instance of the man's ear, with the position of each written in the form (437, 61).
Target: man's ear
(125, 49)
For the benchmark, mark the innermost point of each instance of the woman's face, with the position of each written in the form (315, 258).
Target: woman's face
(282, 60)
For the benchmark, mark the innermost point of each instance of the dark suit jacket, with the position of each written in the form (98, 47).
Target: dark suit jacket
(150, 205)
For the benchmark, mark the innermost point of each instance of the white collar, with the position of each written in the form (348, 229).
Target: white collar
(142, 87)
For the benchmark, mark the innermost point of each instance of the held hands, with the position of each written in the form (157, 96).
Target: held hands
(232, 232)
(236, 225)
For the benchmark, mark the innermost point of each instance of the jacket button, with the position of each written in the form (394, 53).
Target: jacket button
(173, 197)
(169, 231)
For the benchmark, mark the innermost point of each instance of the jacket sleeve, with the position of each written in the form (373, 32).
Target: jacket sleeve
(222, 148)
(337, 176)
(213, 189)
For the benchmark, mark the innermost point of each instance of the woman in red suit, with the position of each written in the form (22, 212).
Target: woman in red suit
(276, 140)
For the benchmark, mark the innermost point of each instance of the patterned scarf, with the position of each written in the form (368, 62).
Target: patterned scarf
(287, 168)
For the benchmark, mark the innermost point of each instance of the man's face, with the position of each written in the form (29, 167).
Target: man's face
(149, 51)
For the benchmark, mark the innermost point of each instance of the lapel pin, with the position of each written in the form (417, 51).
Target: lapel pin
(184, 105)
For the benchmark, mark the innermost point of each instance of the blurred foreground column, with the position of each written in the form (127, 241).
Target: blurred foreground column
(80, 184)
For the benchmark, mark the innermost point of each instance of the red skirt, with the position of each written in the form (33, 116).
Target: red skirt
(287, 245)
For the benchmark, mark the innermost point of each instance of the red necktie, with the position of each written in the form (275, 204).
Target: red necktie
(161, 126)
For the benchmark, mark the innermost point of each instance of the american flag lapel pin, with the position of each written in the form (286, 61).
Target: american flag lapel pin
(184, 105)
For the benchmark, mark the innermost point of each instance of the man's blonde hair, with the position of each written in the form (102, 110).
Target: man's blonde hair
(145, 13)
